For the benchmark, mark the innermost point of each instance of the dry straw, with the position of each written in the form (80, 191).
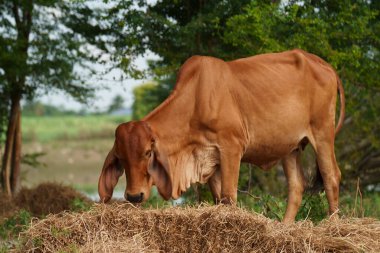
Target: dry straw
(48, 198)
(124, 228)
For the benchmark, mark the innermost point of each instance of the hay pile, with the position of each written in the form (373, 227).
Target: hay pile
(44, 199)
(47, 198)
(123, 228)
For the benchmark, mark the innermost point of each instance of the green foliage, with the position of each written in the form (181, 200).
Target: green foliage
(175, 30)
(361, 205)
(156, 201)
(345, 34)
(266, 204)
(145, 99)
(79, 205)
(149, 95)
(46, 46)
(313, 207)
(117, 103)
(11, 227)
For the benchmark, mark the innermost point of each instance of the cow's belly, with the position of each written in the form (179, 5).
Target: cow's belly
(267, 153)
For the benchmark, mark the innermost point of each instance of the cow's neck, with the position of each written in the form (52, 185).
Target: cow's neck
(171, 123)
(170, 120)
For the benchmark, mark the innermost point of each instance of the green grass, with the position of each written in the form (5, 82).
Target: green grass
(10, 229)
(46, 129)
(70, 149)
(314, 206)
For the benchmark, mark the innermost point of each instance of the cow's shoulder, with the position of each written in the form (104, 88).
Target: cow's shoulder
(199, 61)
(195, 65)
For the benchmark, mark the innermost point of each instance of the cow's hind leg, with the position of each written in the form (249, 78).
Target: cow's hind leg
(296, 184)
(330, 173)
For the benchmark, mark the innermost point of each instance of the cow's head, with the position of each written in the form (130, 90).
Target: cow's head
(136, 152)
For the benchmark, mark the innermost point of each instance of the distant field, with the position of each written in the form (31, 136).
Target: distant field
(46, 129)
(73, 148)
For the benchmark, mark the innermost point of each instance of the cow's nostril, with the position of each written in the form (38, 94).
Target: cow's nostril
(135, 198)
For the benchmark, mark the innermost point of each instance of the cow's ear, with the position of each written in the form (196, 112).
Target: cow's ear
(109, 177)
(158, 169)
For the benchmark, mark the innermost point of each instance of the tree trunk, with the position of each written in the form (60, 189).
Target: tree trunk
(16, 158)
(10, 170)
(2, 186)
(10, 156)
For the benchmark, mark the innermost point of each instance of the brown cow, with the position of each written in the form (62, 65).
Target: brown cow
(260, 110)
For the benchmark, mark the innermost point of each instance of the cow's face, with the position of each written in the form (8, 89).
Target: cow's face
(135, 152)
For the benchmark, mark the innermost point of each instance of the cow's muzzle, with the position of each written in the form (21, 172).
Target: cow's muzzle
(135, 198)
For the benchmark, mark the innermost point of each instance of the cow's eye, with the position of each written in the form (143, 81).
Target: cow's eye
(148, 153)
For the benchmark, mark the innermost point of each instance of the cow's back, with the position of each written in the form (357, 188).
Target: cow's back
(280, 96)
(266, 103)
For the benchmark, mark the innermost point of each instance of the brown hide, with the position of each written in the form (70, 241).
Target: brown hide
(258, 110)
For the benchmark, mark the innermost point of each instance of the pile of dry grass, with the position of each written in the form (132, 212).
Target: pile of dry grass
(123, 228)
(44, 199)
(48, 198)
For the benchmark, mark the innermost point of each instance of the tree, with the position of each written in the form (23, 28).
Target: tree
(45, 46)
(117, 103)
(145, 100)
(174, 30)
(344, 33)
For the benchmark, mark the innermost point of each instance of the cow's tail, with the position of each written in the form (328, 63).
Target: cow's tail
(342, 106)
(317, 184)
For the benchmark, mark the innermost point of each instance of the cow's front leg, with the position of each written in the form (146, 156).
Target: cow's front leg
(215, 185)
(229, 169)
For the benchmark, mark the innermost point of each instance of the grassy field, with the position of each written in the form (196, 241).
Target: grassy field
(72, 148)
(48, 129)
